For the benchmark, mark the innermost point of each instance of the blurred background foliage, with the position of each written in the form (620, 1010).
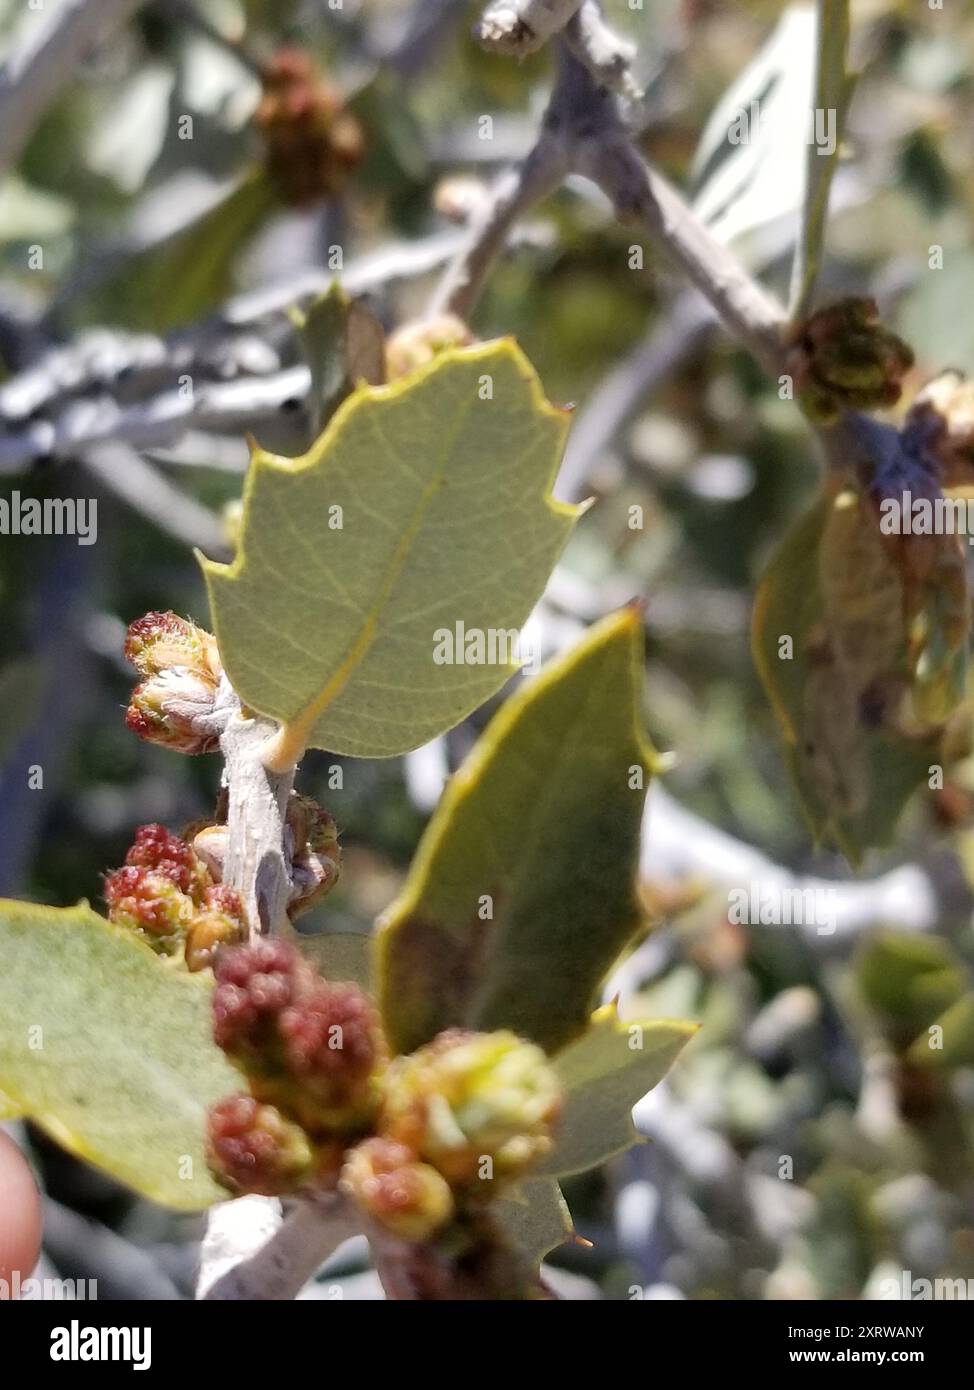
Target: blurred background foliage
(805, 1146)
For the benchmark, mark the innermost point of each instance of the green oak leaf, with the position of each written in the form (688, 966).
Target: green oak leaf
(181, 278)
(826, 660)
(533, 1218)
(425, 504)
(522, 893)
(109, 1050)
(908, 982)
(604, 1073)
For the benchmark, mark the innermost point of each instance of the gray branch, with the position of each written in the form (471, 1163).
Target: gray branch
(516, 193)
(288, 1256)
(607, 57)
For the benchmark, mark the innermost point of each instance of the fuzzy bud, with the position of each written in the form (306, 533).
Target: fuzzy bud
(174, 704)
(317, 856)
(842, 358)
(313, 142)
(416, 344)
(147, 901)
(408, 1198)
(253, 1148)
(470, 1097)
(309, 1046)
(155, 847)
(220, 923)
(174, 709)
(159, 641)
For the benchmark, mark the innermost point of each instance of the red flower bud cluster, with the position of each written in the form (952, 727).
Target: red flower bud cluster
(255, 1149)
(173, 704)
(166, 893)
(313, 142)
(310, 1046)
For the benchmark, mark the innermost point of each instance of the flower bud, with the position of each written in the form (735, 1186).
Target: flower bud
(313, 142)
(317, 856)
(253, 985)
(175, 702)
(174, 708)
(470, 1097)
(155, 847)
(842, 358)
(331, 1049)
(408, 1198)
(159, 641)
(210, 844)
(309, 1046)
(220, 923)
(415, 344)
(147, 901)
(253, 1148)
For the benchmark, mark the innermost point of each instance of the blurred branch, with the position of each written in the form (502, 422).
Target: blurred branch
(37, 71)
(607, 57)
(161, 419)
(679, 844)
(288, 1256)
(429, 25)
(583, 132)
(80, 1248)
(87, 386)
(515, 193)
(619, 395)
(144, 488)
(605, 154)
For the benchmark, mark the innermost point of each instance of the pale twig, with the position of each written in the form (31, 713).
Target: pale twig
(583, 132)
(258, 863)
(607, 57)
(515, 193)
(235, 1231)
(37, 71)
(288, 1256)
(604, 152)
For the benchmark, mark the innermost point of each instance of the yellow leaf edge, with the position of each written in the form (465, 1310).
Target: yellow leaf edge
(626, 625)
(287, 746)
